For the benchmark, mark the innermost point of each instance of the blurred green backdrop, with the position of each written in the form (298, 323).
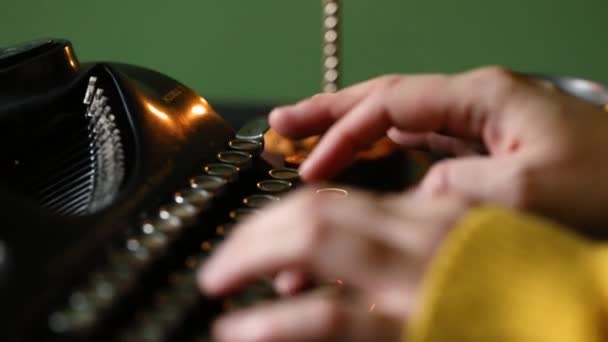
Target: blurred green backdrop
(268, 50)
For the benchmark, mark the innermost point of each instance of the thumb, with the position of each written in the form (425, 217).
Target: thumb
(501, 180)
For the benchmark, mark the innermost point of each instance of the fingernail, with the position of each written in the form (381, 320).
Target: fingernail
(207, 281)
(304, 168)
(284, 285)
(277, 111)
(279, 115)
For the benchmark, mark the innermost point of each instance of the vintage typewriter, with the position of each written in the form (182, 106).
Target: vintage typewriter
(116, 182)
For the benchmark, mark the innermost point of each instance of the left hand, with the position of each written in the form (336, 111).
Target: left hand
(377, 248)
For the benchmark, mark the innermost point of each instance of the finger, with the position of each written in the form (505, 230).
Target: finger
(307, 318)
(290, 282)
(343, 140)
(436, 143)
(497, 180)
(314, 115)
(309, 233)
(457, 106)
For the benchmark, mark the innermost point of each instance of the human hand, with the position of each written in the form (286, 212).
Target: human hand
(518, 141)
(377, 248)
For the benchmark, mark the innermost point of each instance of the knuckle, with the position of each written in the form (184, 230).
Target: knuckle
(497, 82)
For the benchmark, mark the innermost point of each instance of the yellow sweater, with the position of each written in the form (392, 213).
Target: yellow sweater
(504, 276)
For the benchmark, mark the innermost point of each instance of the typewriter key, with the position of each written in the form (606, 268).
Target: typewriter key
(251, 146)
(70, 320)
(102, 292)
(60, 322)
(241, 213)
(184, 290)
(208, 246)
(240, 159)
(199, 198)
(192, 262)
(135, 255)
(285, 173)
(228, 172)
(79, 301)
(82, 319)
(165, 223)
(156, 242)
(168, 314)
(119, 275)
(259, 200)
(224, 229)
(186, 212)
(254, 129)
(274, 185)
(212, 184)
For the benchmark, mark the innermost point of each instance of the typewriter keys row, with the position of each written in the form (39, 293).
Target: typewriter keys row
(173, 303)
(170, 307)
(87, 305)
(158, 321)
(156, 236)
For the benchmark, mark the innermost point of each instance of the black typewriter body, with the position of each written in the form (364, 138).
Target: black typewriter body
(116, 182)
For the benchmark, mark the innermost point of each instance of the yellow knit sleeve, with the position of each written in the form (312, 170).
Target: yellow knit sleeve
(505, 276)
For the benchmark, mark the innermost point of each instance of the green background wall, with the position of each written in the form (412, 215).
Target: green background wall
(268, 50)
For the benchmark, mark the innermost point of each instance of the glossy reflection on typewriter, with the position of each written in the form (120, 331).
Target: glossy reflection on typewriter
(116, 182)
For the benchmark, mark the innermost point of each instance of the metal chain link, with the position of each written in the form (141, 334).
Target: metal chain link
(331, 45)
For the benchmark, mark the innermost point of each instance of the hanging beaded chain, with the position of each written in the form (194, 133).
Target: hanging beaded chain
(331, 45)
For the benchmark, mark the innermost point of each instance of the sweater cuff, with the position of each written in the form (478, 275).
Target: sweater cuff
(505, 276)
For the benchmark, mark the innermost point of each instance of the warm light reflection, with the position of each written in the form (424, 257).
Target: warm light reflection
(70, 56)
(606, 107)
(199, 110)
(371, 308)
(159, 113)
(332, 193)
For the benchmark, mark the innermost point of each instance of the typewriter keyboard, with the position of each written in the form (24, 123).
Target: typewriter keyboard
(146, 291)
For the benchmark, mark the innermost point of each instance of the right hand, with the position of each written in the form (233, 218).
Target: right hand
(545, 150)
